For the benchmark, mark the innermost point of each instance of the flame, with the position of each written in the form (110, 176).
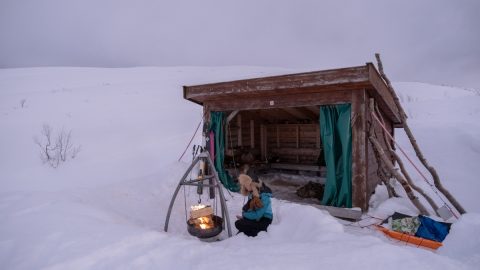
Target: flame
(205, 223)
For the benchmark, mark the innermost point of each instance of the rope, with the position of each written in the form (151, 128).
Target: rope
(434, 189)
(196, 130)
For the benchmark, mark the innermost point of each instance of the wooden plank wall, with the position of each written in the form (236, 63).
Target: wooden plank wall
(294, 143)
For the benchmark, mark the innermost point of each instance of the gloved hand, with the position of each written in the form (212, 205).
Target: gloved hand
(255, 203)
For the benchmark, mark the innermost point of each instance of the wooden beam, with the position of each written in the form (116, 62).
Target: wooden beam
(352, 75)
(348, 213)
(297, 167)
(295, 151)
(359, 150)
(282, 101)
(382, 95)
(231, 116)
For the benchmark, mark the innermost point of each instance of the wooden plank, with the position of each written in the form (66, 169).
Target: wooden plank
(382, 95)
(282, 101)
(295, 151)
(297, 167)
(348, 213)
(352, 75)
(359, 150)
(202, 212)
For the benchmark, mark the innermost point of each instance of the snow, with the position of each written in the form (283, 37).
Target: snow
(106, 208)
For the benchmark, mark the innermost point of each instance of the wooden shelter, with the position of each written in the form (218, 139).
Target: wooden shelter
(277, 119)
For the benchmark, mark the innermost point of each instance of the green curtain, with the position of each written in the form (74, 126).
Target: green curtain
(336, 135)
(217, 120)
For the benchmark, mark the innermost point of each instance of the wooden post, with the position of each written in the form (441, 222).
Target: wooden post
(359, 150)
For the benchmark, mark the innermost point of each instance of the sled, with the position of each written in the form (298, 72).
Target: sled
(410, 239)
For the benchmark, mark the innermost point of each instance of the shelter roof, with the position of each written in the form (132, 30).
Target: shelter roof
(350, 78)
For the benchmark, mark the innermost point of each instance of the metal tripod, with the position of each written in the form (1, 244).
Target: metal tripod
(205, 157)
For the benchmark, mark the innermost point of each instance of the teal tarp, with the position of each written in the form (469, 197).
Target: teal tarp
(336, 135)
(217, 120)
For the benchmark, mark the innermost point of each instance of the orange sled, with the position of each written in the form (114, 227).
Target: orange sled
(418, 241)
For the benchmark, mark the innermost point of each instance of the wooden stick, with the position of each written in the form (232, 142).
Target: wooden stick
(377, 147)
(375, 110)
(410, 182)
(413, 141)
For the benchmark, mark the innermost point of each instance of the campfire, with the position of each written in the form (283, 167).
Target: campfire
(201, 216)
(203, 223)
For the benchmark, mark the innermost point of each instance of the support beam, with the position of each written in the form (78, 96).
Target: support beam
(231, 116)
(359, 150)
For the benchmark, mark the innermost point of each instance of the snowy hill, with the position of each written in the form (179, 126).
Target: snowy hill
(105, 208)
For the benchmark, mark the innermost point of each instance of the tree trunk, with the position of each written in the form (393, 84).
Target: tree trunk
(433, 172)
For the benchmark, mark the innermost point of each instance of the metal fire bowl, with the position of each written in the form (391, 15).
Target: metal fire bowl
(206, 233)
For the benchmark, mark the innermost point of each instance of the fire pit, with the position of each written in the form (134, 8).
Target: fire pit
(207, 227)
(203, 223)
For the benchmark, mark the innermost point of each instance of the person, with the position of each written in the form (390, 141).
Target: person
(257, 213)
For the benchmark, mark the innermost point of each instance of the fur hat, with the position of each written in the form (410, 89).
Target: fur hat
(247, 185)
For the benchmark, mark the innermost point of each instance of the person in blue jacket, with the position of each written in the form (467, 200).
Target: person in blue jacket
(257, 213)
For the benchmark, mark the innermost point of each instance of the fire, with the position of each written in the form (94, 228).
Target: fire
(201, 216)
(205, 223)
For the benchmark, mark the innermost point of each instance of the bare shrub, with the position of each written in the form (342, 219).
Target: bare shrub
(55, 149)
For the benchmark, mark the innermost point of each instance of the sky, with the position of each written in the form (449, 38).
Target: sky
(433, 41)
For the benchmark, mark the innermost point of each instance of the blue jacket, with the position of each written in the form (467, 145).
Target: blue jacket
(265, 211)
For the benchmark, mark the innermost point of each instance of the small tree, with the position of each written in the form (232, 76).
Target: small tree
(56, 149)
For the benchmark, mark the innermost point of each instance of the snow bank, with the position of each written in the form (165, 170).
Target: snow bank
(106, 208)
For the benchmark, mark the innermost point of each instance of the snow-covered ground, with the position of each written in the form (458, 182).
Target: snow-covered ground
(105, 209)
